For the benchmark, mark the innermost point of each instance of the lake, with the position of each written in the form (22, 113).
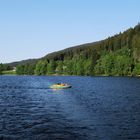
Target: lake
(95, 108)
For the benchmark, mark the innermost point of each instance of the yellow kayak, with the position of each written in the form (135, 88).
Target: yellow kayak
(60, 86)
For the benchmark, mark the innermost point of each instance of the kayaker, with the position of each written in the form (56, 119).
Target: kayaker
(62, 84)
(58, 84)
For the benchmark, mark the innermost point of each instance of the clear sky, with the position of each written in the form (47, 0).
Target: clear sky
(34, 28)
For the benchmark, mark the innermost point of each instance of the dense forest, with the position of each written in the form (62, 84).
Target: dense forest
(118, 55)
(5, 67)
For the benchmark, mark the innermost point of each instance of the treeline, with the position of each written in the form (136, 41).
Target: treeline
(4, 67)
(117, 55)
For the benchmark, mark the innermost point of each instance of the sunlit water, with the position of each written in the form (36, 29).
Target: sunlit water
(95, 108)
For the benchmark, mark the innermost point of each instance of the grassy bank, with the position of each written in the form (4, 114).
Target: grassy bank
(10, 72)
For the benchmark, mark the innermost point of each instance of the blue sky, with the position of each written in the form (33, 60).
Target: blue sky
(34, 28)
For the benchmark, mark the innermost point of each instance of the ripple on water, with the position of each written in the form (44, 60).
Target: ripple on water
(95, 108)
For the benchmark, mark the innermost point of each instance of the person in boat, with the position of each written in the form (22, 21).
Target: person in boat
(58, 83)
(62, 84)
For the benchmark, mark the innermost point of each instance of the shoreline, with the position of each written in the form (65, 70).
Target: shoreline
(14, 74)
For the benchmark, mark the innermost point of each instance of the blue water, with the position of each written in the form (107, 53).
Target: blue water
(95, 108)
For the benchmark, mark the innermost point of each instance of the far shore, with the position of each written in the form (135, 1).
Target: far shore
(13, 73)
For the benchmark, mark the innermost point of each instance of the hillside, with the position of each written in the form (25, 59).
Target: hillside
(116, 55)
(23, 62)
(51, 55)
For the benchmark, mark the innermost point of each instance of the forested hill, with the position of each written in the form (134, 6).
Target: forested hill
(116, 55)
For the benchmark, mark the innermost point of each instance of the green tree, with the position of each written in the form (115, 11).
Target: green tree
(80, 67)
(20, 69)
(105, 65)
(136, 47)
(41, 67)
(88, 67)
(51, 67)
(68, 67)
(59, 68)
(1, 68)
(136, 70)
(122, 65)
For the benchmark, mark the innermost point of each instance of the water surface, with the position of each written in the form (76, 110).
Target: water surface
(95, 108)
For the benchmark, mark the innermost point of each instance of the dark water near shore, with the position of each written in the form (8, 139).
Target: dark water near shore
(95, 108)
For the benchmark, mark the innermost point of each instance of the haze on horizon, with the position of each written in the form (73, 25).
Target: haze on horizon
(32, 29)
